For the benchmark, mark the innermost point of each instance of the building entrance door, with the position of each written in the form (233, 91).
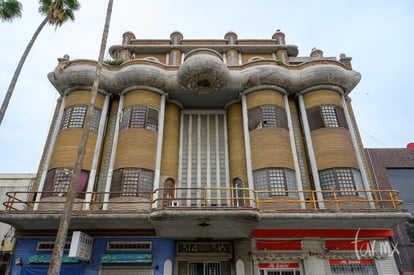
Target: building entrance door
(204, 268)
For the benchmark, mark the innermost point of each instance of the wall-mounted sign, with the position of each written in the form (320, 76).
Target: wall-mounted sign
(45, 258)
(351, 262)
(81, 246)
(279, 265)
(204, 247)
(126, 258)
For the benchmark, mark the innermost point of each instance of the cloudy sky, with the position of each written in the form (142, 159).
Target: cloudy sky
(378, 35)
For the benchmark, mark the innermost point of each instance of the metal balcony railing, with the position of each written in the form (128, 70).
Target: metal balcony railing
(228, 198)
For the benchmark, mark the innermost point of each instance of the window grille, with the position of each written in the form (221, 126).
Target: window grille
(355, 269)
(48, 246)
(129, 246)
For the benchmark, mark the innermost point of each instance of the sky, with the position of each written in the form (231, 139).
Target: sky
(378, 35)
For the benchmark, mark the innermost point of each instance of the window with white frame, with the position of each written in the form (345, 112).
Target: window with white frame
(139, 117)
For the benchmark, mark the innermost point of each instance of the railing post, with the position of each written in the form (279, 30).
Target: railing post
(392, 199)
(336, 200)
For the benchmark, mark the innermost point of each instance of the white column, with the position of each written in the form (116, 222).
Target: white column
(157, 172)
(309, 146)
(358, 153)
(294, 153)
(113, 154)
(49, 151)
(247, 149)
(96, 154)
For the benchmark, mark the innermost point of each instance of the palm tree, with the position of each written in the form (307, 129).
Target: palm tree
(56, 12)
(56, 261)
(10, 9)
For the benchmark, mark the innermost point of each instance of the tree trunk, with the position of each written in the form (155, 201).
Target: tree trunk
(56, 261)
(19, 67)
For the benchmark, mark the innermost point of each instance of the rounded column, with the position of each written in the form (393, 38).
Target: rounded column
(336, 161)
(271, 152)
(65, 151)
(135, 159)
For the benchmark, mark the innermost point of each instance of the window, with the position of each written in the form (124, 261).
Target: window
(277, 180)
(402, 179)
(74, 117)
(203, 158)
(128, 246)
(169, 191)
(139, 117)
(58, 181)
(340, 179)
(356, 267)
(95, 118)
(329, 116)
(133, 182)
(255, 58)
(238, 193)
(48, 246)
(268, 116)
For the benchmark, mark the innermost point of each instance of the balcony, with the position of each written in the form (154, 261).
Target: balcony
(190, 213)
(209, 198)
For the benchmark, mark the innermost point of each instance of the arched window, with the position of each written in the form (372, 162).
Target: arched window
(169, 188)
(238, 192)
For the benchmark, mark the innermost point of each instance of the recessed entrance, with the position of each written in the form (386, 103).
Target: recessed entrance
(204, 268)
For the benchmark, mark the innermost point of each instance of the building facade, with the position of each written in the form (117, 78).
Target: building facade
(394, 169)
(226, 156)
(11, 186)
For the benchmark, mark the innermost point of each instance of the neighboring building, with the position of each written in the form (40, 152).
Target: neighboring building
(224, 156)
(394, 169)
(11, 186)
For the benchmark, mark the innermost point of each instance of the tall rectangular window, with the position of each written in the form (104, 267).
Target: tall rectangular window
(203, 157)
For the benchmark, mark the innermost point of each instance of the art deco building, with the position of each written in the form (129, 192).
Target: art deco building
(226, 156)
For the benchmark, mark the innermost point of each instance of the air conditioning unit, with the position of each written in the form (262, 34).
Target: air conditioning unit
(175, 203)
